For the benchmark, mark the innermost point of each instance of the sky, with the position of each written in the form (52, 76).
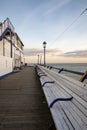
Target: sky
(61, 23)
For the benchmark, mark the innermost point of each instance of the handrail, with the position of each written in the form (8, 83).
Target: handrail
(83, 74)
(67, 70)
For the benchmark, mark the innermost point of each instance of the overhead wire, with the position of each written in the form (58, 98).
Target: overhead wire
(68, 27)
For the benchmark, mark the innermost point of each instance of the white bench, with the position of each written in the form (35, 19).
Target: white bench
(68, 114)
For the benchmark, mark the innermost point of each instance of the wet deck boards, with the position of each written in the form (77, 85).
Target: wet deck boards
(22, 102)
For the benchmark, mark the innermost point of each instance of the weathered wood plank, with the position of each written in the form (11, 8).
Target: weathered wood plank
(22, 102)
(67, 115)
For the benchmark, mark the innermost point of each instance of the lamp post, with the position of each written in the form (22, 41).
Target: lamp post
(44, 46)
(38, 60)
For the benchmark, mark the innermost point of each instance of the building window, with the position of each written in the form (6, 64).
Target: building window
(3, 48)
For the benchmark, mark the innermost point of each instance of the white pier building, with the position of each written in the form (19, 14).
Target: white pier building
(11, 48)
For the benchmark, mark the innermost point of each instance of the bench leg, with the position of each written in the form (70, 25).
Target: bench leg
(51, 125)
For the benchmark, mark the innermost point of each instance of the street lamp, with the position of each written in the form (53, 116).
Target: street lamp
(44, 46)
(38, 60)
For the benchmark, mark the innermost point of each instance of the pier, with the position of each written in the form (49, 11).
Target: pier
(22, 102)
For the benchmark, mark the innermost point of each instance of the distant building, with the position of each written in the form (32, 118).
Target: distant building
(11, 48)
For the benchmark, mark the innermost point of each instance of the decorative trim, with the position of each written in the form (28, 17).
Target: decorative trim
(60, 99)
(5, 75)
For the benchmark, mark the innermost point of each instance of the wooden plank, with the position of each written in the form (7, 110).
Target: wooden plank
(56, 79)
(22, 103)
(73, 114)
(79, 116)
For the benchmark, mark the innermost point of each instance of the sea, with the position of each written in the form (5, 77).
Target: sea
(80, 67)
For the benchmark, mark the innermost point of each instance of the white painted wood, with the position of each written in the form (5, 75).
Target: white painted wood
(67, 115)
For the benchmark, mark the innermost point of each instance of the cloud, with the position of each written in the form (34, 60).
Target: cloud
(32, 52)
(79, 53)
(37, 51)
(54, 5)
(55, 52)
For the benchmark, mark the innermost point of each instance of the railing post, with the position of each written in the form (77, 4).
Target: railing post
(83, 77)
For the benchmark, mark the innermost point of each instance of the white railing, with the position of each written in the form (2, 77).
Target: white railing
(6, 24)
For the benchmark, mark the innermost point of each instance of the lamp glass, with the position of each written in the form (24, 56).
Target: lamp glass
(44, 44)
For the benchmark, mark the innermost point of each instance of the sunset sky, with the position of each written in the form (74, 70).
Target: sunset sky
(61, 23)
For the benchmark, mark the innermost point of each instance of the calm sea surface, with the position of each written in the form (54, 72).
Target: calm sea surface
(81, 67)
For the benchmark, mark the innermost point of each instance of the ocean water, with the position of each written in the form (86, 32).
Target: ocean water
(80, 67)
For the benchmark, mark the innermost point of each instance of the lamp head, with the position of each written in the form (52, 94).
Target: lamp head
(44, 44)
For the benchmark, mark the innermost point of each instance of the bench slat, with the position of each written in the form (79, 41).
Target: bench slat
(71, 115)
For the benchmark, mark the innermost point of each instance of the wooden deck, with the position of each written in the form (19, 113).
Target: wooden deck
(22, 102)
